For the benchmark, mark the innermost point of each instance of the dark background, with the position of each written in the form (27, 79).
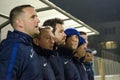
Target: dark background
(102, 15)
(91, 11)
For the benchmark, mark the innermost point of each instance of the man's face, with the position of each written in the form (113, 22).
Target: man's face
(72, 42)
(46, 40)
(81, 50)
(30, 22)
(88, 57)
(60, 36)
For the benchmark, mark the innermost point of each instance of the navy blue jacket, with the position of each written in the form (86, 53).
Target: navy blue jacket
(57, 65)
(18, 60)
(81, 68)
(47, 71)
(89, 70)
(70, 70)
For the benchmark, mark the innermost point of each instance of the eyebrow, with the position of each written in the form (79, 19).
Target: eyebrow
(33, 16)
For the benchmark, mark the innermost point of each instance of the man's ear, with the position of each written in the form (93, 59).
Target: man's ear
(36, 41)
(19, 22)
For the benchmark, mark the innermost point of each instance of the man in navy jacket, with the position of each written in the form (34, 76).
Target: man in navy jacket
(18, 60)
(60, 36)
(44, 43)
(79, 57)
(89, 64)
(67, 52)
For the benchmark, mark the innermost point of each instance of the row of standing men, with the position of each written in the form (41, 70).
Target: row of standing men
(46, 53)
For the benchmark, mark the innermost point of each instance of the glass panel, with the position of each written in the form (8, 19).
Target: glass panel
(36, 3)
(48, 14)
(71, 23)
(85, 29)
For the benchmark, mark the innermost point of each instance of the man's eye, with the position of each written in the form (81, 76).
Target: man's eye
(33, 16)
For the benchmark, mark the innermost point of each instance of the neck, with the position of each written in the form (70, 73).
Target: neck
(76, 55)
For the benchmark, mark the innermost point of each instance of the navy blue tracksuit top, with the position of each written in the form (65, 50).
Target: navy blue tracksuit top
(47, 71)
(57, 65)
(89, 69)
(18, 60)
(70, 70)
(81, 68)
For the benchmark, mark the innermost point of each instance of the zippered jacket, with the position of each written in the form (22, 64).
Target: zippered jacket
(81, 68)
(70, 70)
(47, 71)
(18, 60)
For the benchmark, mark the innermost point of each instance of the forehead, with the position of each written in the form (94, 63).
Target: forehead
(88, 53)
(45, 32)
(73, 38)
(29, 10)
(59, 27)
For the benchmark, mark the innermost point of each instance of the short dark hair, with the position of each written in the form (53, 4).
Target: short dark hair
(17, 11)
(53, 22)
(41, 32)
(83, 33)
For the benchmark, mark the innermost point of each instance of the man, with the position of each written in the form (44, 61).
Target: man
(18, 60)
(44, 46)
(90, 74)
(81, 50)
(79, 54)
(58, 30)
(59, 38)
(88, 63)
(67, 53)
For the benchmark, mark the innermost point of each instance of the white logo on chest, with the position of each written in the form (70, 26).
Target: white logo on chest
(32, 53)
(45, 64)
(65, 62)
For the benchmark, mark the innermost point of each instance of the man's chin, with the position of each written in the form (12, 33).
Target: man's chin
(63, 43)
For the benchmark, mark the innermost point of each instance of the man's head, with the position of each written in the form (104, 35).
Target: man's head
(58, 30)
(89, 55)
(81, 50)
(24, 18)
(72, 38)
(45, 39)
(84, 35)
